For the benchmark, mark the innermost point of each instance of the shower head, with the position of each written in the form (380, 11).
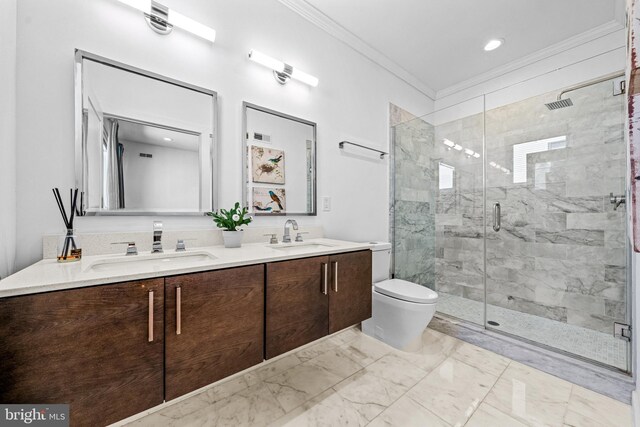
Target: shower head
(560, 103)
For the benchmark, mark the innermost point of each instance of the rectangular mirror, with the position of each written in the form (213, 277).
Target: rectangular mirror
(145, 144)
(279, 163)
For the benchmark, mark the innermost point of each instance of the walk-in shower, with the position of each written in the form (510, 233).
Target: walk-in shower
(505, 210)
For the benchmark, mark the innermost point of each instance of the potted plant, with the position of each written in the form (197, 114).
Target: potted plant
(229, 221)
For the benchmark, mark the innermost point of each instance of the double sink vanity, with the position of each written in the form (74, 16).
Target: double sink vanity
(114, 335)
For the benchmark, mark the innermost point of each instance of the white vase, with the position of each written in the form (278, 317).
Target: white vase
(232, 239)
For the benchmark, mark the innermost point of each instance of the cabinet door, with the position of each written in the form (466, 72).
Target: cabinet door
(214, 326)
(98, 349)
(350, 290)
(297, 303)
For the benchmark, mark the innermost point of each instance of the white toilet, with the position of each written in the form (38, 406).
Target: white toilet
(401, 310)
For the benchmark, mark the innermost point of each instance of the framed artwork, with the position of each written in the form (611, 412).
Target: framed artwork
(269, 200)
(267, 165)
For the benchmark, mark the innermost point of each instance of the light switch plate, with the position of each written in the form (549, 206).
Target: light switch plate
(326, 204)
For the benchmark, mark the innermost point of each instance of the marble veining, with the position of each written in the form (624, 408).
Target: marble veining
(447, 383)
(560, 253)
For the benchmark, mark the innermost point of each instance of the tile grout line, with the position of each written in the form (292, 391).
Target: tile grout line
(491, 389)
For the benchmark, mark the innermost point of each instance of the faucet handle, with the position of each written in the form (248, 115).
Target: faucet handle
(274, 238)
(180, 244)
(131, 247)
(299, 235)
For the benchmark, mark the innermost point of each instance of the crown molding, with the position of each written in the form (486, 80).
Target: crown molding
(316, 17)
(555, 49)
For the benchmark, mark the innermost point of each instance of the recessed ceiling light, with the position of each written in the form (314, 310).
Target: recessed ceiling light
(166, 138)
(493, 44)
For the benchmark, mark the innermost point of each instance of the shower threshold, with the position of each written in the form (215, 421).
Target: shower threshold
(586, 343)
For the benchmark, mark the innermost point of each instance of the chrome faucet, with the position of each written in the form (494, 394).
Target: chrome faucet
(616, 201)
(287, 237)
(157, 238)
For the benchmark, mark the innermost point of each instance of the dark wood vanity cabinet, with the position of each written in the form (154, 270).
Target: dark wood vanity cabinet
(312, 297)
(98, 349)
(297, 303)
(112, 351)
(214, 326)
(350, 290)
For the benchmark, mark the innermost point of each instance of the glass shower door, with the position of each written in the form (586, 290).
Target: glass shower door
(556, 253)
(437, 206)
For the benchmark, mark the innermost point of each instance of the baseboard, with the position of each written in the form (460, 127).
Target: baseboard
(635, 408)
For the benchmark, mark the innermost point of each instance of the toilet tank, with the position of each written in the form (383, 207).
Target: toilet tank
(381, 261)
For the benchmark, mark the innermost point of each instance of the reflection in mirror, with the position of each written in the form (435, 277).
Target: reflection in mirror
(279, 163)
(137, 153)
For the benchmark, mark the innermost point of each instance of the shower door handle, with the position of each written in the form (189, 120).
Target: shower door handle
(496, 216)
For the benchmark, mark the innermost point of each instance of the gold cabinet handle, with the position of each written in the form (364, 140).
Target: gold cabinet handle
(326, 278)
(150, 316)
(335, 276)
(178, 310)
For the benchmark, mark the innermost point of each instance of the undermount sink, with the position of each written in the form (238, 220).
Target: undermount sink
(155, 261)
(290, 247)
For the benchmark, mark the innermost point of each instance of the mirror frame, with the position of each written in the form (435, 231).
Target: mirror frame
(80, 56)
(245, 172)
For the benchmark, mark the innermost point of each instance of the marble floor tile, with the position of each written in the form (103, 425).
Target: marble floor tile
(436, 347)
(253, 406)
(485, 360)
(316, 350)
(453, 390)
(365, 382)
(305, 381)
(273, 368)
(377, 386)
(530, 396)
(406, 412)
(325, 410)
(338, 362)
(488, 416)
(346, 336)
(590, 409)
(366, 350)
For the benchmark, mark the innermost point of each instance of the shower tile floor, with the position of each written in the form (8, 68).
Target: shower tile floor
(594, 345)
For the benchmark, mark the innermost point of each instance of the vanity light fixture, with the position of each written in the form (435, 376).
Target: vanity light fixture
(161, 19)
(282, 71)
(493, 44)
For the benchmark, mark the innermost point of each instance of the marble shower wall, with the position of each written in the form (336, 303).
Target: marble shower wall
(561, 251)
(413, 204)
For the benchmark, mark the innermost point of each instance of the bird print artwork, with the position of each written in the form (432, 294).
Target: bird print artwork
(261, 209)
(276, 199)
(269, 200)
(267, 165)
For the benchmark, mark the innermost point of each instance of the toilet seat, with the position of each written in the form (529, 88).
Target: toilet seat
(406, 291)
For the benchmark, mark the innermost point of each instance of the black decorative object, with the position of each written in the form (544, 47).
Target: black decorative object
(69, 250)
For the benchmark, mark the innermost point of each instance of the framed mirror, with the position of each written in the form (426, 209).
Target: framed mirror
(279, 163)
(145, 144)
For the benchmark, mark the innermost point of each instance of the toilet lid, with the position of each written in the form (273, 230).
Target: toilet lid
(406, 291)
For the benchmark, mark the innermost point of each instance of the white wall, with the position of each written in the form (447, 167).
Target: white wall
(351, 102)
(7, 135)
(168, 181)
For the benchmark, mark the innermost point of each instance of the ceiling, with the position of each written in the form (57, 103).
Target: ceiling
(440, 42)
(146, 134)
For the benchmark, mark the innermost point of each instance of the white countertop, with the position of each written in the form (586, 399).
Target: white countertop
(50, 275)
